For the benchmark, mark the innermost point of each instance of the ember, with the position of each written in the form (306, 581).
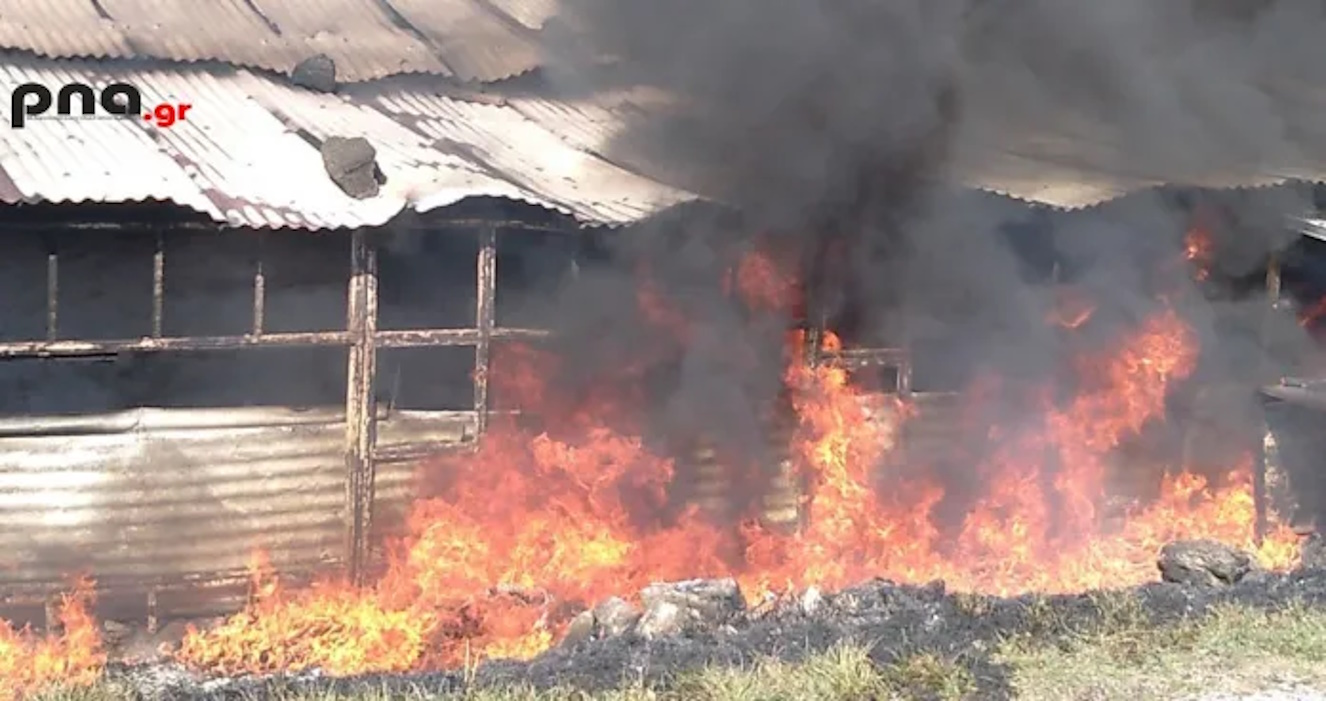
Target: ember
(538, 525)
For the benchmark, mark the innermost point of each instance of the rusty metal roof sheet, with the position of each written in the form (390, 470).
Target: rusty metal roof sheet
(472, 40)
(239, 156)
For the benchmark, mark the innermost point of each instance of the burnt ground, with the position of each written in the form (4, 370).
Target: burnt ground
(895, 621)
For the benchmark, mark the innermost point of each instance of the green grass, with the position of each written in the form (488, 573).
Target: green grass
(1230, 649)
(1117, 654)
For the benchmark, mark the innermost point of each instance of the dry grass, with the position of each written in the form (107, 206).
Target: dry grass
(1118, 655)
(1233, 649)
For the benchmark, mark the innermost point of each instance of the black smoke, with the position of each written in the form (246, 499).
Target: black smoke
(852, 126)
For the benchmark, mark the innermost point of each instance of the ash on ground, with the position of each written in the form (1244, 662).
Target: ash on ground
(683, 626)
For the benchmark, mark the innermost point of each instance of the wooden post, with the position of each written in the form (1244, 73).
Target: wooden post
(159, 287)
(52, 294)
(484, 320)
(1259, 468)
(259, 288)
(153, 622)
(360, 409)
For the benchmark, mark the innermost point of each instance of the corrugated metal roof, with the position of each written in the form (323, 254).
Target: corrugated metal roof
(1070, 159)
(239, 158)
(1042, 179)
(1038, 160)
(165, 495)
(368, 39)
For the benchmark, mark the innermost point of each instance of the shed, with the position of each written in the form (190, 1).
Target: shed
(222, 236)
(210, 345)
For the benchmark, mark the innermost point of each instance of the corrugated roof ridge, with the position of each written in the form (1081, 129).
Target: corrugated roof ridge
(155, 63)
(266, 70)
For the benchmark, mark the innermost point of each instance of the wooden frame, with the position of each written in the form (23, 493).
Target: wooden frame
(360, 335)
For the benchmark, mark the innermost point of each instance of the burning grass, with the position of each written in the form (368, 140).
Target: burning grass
(1120, 645)
(537, 523)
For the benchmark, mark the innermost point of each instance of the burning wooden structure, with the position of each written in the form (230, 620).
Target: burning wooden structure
(164, 507)
(160, 504)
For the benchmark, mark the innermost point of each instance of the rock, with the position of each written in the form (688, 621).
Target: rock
(352, 165)
(676, 607)
(811, 600)
(661, 619)
(315, 73)
(1204, 563)
(1312, 552)
(714, 600)
(580, 629)
(614, 617)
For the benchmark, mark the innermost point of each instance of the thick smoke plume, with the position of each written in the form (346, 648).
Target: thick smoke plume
(851, 123)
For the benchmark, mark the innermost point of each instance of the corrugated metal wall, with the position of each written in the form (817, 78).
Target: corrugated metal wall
(166, 496)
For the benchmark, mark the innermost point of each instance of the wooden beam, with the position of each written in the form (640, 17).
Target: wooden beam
(81, 349)
(360, 404)
(428, 338)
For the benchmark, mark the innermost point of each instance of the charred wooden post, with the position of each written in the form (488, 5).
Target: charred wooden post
(713, 484)
(52, 294)
(51, 610)
(159, 287)
(816, 276)
(259, 289)
(1259, 468)
(484, 320)
(782, 498)
(153, 622)
(904, 370)
(360, 409)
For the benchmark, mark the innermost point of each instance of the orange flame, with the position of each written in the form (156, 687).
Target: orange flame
(1198, 244)
(30, 664)
(537, 523)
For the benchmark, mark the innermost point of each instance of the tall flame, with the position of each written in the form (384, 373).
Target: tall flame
(517, 535)
(30, 663)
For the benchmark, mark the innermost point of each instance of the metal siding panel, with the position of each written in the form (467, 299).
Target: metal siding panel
(175, 494)
(160, 504)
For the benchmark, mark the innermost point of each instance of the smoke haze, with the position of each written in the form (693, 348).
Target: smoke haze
(852, 119)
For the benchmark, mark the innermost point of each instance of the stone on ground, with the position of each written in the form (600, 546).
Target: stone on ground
(1204, 563)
